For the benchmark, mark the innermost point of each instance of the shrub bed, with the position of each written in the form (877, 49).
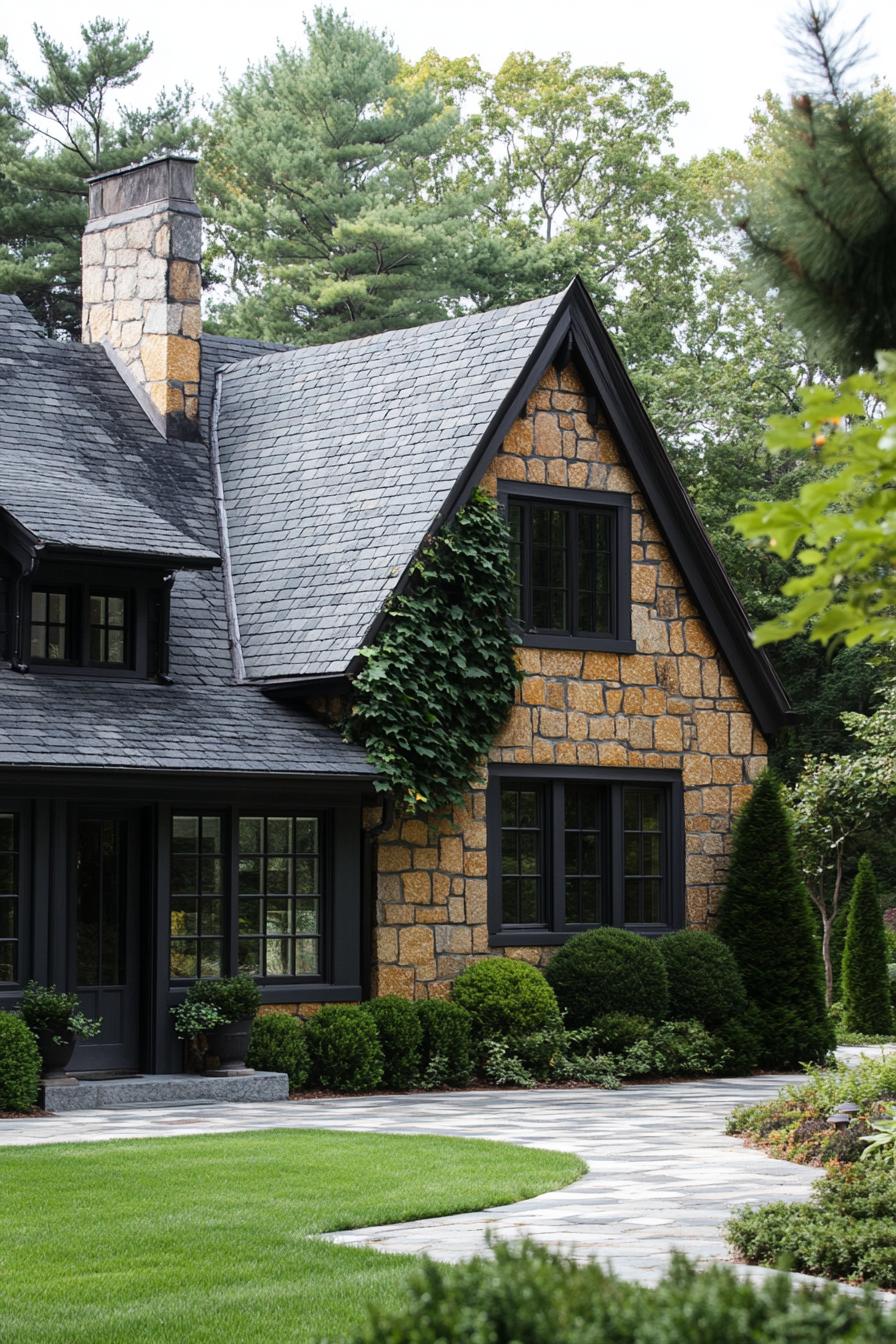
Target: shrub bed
(847, 1230)
(527, 1293)
(344, 1049)
(446, 1050)
(400, 1033)
(19, 1065)
(278, 1044)
(609, 971)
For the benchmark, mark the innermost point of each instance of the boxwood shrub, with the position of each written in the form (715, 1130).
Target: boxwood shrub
(705, 983)
(527, 1293)
(19, 1065)
(447, 1040)
(506, 999)
(400, 1034)
(278, 1044)
(609, 971)
(344, 1049)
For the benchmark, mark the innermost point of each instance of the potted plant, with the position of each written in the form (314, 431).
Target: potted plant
(192, 1023)
(56, 1021)
(235, 1000)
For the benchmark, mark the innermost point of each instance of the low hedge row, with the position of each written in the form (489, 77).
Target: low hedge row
(611, 1005)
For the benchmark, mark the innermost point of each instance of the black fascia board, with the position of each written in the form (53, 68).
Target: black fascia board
(51, 551)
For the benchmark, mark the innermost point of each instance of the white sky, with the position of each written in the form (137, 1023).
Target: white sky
(719, 56)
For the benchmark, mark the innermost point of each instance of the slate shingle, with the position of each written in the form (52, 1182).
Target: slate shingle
(336, 460)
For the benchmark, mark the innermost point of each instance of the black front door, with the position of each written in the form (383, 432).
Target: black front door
(107, 936)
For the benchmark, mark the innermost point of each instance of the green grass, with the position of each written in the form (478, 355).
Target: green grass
(205, 1239)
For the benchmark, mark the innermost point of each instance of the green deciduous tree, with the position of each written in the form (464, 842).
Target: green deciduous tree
(866, 986)
(57, 128)
(764, 918)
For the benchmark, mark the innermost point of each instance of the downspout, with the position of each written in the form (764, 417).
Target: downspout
(368, 889)
(233, 620)
(16, 653)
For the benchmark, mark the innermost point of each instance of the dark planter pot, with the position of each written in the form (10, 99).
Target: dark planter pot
(229, 1044)
(54, 1057)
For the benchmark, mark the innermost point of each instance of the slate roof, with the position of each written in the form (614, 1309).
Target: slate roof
(336, 460)
(81, 464)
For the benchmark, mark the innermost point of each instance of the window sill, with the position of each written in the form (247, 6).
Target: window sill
(299, 991)
(586, 643)
(539, 937)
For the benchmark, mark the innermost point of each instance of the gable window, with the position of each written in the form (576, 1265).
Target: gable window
(571, 553)
(50, 633)
(9, 899)
(580, 849)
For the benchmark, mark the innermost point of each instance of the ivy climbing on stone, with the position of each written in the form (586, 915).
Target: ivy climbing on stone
(439, 680)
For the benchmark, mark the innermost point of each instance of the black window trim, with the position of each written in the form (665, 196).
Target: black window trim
(146, 593)
(555, 931)
(620, 505)
(12, 989)
(230, 818)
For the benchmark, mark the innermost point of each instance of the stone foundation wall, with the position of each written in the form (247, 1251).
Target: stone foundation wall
(672, 704)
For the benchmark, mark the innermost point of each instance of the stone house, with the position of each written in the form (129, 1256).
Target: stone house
(198, 533)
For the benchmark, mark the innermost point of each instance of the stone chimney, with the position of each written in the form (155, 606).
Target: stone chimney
(141, 284)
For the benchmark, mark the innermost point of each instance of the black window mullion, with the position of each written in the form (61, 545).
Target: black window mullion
(230, 910)
(572, 568)
(617, 857)
(555, 871)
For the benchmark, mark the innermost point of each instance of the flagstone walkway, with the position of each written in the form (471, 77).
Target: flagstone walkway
(662, 1175)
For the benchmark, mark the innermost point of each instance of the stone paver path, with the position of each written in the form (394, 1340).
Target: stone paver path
(662, 1175)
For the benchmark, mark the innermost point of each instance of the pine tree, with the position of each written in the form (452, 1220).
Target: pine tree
(765, 918)
(866, 987)
(821, 211)
(56, 129)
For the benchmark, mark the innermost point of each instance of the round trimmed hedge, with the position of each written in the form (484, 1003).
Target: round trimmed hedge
(705, 983)
(507, 999)
(344, 1049)
(277, 1045)
(19, 1065)
(609, 971)
(400, 1034)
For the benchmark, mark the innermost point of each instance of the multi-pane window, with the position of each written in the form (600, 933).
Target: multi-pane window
(643, 829)
(575, 852)
(107, 629)
(50, 637)
(9, 899)
(279, 897)
(563, 559)
(522, 854)
(584, 806)
(197, 897)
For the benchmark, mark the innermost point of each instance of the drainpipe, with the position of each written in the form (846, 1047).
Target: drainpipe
(16, 652)
(368, 889)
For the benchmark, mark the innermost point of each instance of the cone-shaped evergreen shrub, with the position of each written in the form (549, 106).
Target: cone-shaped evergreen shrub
(866, 986)
(765, 919)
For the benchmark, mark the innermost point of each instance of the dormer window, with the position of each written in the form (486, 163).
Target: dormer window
(571, 553)
(50, 634)
(104, 621)
(108, 629)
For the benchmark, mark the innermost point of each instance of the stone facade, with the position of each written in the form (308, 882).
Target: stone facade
(672, 704)
(141, 284)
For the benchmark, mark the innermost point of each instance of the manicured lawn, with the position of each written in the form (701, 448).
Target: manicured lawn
(183, 1240)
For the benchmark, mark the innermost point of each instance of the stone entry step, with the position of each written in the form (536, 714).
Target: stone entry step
(165, 1089)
